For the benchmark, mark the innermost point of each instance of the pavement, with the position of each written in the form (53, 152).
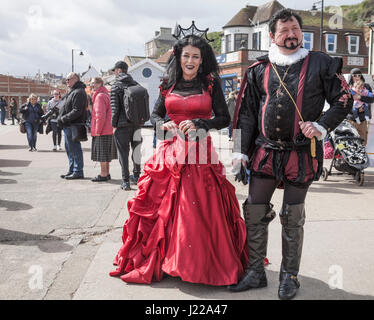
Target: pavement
(58, 238)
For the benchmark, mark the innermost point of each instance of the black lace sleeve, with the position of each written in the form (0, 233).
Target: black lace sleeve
(221, 117)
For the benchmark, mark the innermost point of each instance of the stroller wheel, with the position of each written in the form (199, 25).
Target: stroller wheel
(325, 173)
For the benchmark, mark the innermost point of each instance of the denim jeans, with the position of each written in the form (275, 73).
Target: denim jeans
(2, 116)
(32, 133)
(74, 153)
(230, 130)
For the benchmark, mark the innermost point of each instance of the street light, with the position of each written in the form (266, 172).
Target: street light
(314, 12)
(72, 57)
(371, 45)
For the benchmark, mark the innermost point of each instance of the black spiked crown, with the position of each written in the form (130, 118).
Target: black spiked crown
(192, 30)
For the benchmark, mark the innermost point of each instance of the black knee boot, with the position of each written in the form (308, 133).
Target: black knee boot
(257, 218)
(292, 218)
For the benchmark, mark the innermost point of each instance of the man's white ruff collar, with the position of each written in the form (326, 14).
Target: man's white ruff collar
(281, 59)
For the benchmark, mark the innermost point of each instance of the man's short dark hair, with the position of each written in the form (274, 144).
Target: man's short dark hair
(284, 15)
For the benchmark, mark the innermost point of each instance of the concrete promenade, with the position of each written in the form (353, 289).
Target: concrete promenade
(58, 238)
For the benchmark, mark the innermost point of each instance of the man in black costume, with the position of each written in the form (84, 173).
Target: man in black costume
(279, 137)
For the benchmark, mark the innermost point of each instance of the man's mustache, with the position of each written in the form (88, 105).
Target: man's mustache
(292, 46)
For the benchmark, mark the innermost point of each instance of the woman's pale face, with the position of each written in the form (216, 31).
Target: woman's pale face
(33, 100)
(190, 62)
(95, 86)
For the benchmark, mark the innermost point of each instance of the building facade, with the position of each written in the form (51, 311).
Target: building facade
(246, 37)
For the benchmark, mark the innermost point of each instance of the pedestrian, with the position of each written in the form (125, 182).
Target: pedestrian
(32, 112)
(359, 89)
(13, 110)
(73, 111)
(3, 106)
(185, 219)
(362, 125)
(103, 147)
(231, 102)
(126, 133)
(53, 109)
(278, 122)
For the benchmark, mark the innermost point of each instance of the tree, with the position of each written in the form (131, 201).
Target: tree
(217, 40)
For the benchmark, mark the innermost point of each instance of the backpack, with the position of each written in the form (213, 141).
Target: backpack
(136, 104)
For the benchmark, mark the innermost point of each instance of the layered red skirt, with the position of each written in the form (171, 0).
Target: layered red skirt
(184, 220)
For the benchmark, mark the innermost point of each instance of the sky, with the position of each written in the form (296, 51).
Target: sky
(40, 34)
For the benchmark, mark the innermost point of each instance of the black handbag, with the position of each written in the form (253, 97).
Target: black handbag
(78, 132)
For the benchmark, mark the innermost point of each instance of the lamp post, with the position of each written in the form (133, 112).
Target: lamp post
(72, 57)
(371, 45)
(314, 11)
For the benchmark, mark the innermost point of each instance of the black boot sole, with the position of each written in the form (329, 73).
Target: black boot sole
(237, 288)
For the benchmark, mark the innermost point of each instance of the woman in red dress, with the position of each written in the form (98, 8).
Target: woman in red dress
(185, 219)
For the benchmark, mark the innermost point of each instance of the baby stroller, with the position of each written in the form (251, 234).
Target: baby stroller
(349, 153)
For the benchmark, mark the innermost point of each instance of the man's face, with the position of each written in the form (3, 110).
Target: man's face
(71, 80)
(288, 35)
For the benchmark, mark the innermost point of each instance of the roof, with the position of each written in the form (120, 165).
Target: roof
(242, 17)
(266, 11)
(163, 60)
(131, 60)
(144, 61)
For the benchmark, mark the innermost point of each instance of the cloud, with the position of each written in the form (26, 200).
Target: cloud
(41, 34)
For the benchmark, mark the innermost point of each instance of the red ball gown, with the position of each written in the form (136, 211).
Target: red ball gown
(185, 218)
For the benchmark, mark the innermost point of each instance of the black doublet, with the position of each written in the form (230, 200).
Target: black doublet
(266, 116)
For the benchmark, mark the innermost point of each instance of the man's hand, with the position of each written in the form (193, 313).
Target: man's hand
(309, 130)
(237, 164)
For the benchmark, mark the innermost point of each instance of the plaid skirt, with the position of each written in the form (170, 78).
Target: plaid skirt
(103, 149)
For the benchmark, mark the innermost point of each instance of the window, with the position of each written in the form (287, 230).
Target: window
(147, 73)
(228, 43)
(256, 41)
(238, 38)
(353, 44)
(308, 40)
(331, 42)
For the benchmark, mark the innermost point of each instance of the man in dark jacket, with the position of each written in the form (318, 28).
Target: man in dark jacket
(125, 133)
(73, 110)
(3, 106)
(281, 129)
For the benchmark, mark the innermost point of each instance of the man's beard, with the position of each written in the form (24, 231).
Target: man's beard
(292, 46)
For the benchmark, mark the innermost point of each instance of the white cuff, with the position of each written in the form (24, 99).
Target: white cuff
(240, 156)
(320, 129)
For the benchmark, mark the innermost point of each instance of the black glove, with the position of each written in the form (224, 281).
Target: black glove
(242, 176)
(59, 123)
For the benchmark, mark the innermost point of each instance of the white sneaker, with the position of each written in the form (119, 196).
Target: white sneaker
(59, 148)
(358, 120)
(54, 148)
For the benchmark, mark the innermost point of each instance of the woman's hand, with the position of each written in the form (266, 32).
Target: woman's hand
(186, 126)
(170, 125)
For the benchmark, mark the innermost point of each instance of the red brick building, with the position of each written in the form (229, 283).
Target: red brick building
(20, 89)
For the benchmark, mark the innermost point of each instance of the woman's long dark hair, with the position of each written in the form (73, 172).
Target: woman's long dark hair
(209, 65)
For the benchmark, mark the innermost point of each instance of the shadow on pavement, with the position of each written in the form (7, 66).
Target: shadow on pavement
(6, 174)
(310, 289)
(13, 147)
(14, 205)
(46, 243)
(14, 163)
(8, 181)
